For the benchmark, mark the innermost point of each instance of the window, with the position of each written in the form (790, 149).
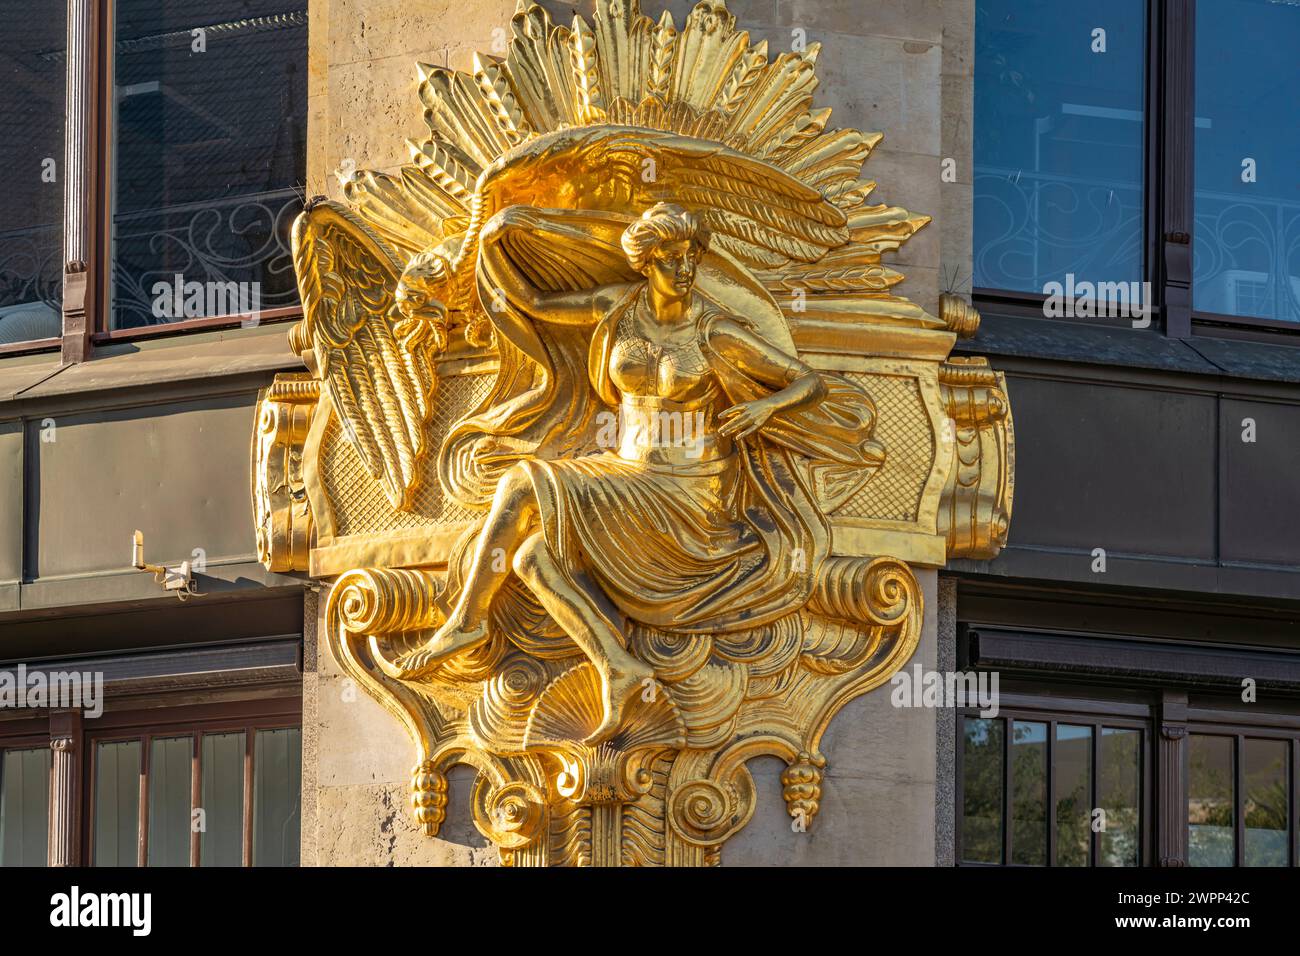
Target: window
(1085, 116)
(1058, 143)
(1239, 799)
(218, 791)
(1065, 789)
(1069, 782)
(181, 204)
(24, 806)
(208, 162)
(33, 66)
(1247, 202)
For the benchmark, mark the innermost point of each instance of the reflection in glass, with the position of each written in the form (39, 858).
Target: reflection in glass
(210, 122)
(1246, 259)
(1029, 793)
(1058, 142)
(117, 803)
(1119, 789)
(1267, 801)
(24, 806)
(170, 771)
(982, 778)
(277, 784)
(1211, 839)
(33, 70)
(222, 767)
(1072, 759)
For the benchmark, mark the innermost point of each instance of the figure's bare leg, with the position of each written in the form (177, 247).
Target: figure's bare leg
(514, 507)
(587, 616)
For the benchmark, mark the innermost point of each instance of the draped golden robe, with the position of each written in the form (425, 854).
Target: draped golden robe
(704, 538)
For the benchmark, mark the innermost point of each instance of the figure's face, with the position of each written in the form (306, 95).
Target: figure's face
(672, 268)
(421, 293)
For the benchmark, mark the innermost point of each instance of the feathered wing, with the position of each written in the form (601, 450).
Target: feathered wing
(759, 214)
(381, 387)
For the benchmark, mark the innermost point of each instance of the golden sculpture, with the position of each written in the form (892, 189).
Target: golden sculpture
(621, 443)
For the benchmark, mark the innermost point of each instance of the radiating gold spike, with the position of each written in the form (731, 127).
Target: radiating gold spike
(478, 116)
(622, 43)
(494, 84)
(707, 50)
(401, 215)
(449, 169)
(744, 75)
(663, 50)
(832, 163)
(784, 92)
(888, 236)
(586, 72)
(801, 130)
(538, 61)
(418, 181)
(446, 121)
(850, 196)
(882, 216)
(830, 276)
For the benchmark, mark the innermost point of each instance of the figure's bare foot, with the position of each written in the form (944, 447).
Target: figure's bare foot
(618, 685)
(446, 642)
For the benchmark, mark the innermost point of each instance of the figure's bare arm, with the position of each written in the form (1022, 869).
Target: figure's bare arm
(580, 307)
(796, 384)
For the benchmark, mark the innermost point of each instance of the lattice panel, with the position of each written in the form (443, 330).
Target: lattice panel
(360, 506)
(894, 493)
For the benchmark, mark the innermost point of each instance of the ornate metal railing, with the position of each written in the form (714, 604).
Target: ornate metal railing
(244, 239)
(1247, 256)
(1032, 228)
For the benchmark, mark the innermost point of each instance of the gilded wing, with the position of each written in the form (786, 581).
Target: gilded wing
(758, 213)
(376, 367)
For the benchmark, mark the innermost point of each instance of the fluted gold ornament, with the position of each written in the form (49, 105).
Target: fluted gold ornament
(622, 447)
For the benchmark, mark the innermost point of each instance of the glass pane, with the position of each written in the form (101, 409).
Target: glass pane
(209, 157)
(117, 803)
(33, 68)
(24, 806)
(1211, 839)
(1073, 762)
(170, 771)
(222, 842)
(1268, 797)
(1058, 143)
(982, 778)
(1246, 260)
(277, 786)
(1029, 793)
(1119, 792)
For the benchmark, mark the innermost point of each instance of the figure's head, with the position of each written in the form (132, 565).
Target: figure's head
(425, 287)
(665, 246)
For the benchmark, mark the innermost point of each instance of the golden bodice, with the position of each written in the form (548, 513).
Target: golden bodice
(667, 416)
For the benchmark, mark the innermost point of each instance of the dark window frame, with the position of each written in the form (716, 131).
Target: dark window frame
(87, 285)
(1158, 808)
(28, 733)
(1052, 712)
(1212, 723)
(250, 716)
(1168, 189)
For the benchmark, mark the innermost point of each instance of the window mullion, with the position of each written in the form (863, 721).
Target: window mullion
(1177, 164)
(79, 160)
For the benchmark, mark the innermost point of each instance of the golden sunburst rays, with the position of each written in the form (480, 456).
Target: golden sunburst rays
(704, 79)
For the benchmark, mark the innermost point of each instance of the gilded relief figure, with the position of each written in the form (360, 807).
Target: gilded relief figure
(701, 520)
(615, 440)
